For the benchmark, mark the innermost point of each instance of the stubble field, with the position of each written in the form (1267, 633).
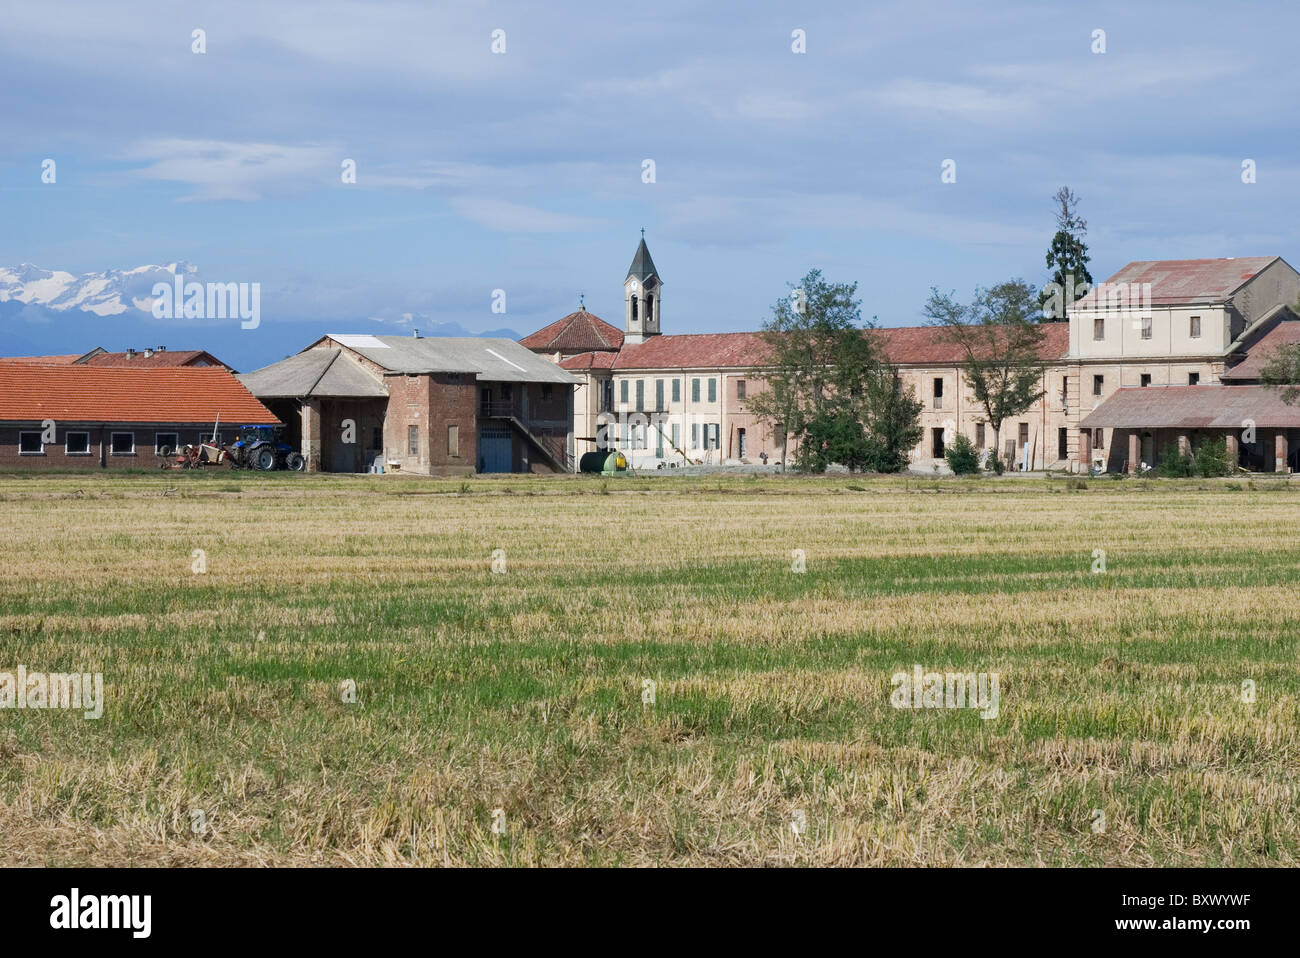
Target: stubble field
(505, 717)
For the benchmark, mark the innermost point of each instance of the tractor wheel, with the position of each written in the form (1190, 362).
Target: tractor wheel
(264, 459)
(294, 462)
(164, 452)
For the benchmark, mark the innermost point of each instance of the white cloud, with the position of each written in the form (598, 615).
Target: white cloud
(507, 217)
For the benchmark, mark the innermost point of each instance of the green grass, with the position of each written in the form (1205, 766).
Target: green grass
(523, 691)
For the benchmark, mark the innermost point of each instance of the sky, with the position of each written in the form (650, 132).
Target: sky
(522, 170)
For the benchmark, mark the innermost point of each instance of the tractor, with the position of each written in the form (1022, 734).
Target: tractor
(259, 447)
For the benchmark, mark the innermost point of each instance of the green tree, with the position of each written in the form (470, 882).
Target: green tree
(1000, 342)
(828, 386)
(1067, 258)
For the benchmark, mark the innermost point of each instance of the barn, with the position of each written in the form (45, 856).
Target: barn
(73, 416)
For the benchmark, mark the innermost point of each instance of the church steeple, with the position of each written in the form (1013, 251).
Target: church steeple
(641, 290)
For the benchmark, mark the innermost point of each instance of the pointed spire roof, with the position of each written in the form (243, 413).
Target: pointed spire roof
(643, 267)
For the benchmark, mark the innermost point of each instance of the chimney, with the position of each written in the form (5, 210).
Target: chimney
(147, 352)
(130, 354)
(160, 349)
(415, 333)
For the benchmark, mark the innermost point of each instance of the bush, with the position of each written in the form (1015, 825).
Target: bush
(963, 458)
(1175, 465)
(1212, 459)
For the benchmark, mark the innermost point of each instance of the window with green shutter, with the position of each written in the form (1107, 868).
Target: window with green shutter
(677, 390)
(713, 390)
(695, 390)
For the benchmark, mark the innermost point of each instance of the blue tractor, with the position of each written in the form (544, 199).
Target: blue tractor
(260, 447)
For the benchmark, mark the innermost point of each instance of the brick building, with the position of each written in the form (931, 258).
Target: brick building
(431, 406)
(68, 416)
(1161, 327)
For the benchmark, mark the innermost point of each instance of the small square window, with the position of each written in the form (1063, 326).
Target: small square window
(76, 443)
(165, 440)
(1144, 379)
(30, 444)
(122, 444)
(1193, 379)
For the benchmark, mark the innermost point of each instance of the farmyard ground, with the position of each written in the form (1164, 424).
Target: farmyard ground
(225, 739)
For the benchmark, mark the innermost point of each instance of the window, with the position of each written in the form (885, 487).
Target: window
(677, 390)
(412, 440)
(453, 442)
(546, 392)
(30, 444)
(634, 304)
(1024, 434)
(740, 389)
(1097, 383)
(1146, 327)
(165, 440)
(1194, 325)
(1098, 329)
(1193, 379)
(1099, 439)
(677, 435)
(649, 308)
(938, 393)
(622, 391)
(695, 390)
(76, 443)
(659, 395)
(713, 390)
(640, 394)
(695, 433)
(122, 444)
(979, 435)
(1144, 379)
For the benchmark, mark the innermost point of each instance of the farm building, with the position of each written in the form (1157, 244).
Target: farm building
(72, 416)
(1163, 353)
(149, 357)
(431, 406)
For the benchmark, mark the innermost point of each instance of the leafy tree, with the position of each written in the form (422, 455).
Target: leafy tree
(999, 342)
(828, 387)
(1067, 256)
(963, 458)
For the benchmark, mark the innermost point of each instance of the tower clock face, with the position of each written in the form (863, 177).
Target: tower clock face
(634, 286)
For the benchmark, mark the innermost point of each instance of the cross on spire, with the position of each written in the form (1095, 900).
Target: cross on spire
(643, 232)
(582, 305)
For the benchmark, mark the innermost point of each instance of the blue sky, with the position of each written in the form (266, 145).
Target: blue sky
(522, 171)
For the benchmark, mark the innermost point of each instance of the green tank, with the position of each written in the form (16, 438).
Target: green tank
(605, 463)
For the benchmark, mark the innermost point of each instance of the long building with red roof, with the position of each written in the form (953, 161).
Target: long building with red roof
(74, 416)
(676, 399)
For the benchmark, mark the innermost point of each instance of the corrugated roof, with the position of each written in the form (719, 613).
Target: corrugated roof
(314, 373)
(1185, 281)
(580, 331)
(1193, 407)
(501, 360)
(183, 394)
(903, 345)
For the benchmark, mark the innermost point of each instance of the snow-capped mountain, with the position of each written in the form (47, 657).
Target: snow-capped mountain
(108, 293)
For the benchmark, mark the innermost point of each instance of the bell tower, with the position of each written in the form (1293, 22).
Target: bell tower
(641, 291)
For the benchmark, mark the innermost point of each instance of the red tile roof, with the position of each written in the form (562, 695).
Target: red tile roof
(184, 394)
(1186, 281)
(1193, 407)
(43, 360)
(577, 332)
(168, 357)
(1261, 351)
(904, 346)
(591, 360)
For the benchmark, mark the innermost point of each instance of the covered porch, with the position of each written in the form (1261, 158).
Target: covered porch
(1261, 432)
